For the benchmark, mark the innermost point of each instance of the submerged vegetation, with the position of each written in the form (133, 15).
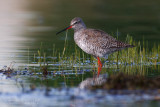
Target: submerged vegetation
(130, 82)
(75, 59)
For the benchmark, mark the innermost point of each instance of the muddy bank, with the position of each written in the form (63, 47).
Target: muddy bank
(123, 81)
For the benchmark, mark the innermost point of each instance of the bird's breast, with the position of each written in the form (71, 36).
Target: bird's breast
(80, 40)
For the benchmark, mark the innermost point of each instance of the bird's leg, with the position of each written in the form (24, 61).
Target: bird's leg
(99, 66)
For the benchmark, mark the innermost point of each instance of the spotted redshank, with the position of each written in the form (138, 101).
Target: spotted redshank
(95, 42)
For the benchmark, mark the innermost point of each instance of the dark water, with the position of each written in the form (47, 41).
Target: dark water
(25, 25)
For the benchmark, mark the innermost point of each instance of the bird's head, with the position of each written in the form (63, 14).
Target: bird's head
(76, 23)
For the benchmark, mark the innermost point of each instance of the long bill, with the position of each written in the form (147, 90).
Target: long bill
(64, 29)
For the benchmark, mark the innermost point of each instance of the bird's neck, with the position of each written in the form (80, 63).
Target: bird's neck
(79, 28)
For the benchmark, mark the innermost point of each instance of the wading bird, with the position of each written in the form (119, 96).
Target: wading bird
(93, 41)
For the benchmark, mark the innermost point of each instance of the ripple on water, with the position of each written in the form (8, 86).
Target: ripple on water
(14, 95)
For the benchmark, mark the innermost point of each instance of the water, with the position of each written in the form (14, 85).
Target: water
(21, 92)
(25, 25)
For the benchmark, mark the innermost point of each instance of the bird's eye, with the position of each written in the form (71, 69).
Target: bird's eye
(75, 22)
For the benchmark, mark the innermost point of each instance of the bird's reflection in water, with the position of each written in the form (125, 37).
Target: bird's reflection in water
(95, 81)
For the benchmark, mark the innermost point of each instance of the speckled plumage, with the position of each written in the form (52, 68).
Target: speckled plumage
(95, 42)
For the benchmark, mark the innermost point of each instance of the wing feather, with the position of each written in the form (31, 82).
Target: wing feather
(101, 39)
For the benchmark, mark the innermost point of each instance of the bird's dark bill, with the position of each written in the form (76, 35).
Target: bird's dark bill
(64, 29)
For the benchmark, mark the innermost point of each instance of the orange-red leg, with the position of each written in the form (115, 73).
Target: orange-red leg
(99, 66)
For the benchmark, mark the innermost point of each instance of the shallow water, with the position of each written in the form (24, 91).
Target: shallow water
(20, 92)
